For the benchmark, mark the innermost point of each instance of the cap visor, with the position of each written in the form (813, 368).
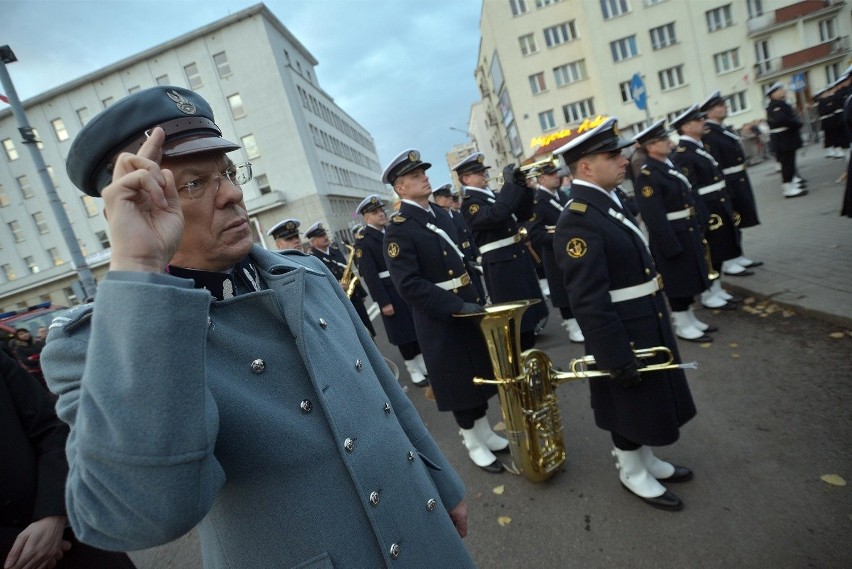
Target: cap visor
(186, 146)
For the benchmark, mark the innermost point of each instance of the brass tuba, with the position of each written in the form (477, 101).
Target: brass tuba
(526, 383)
(712, 275)
(349, 280)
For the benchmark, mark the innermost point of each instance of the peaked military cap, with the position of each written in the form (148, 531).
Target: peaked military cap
(690, 114)
(124, 126)
(543, 170)
(407, 161)
(603, 138)
(714, 99)
(315, 230)
(445, 190)
(654, 132)
(774, 87)
(472, 163)
(370, 203)
(285, 229)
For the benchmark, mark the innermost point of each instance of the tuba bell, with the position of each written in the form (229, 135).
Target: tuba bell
(349, 280)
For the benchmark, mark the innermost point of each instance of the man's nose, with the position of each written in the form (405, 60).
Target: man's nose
(229, 192)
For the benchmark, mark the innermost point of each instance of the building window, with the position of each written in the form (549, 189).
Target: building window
(761, 52)
(755, 8)
(70, 296)
(559, 34)
(9, 272)
(652, 3)
(570, 73)
(193, 77)
(107, 102)
(134, 89)
(737, 102)
(827, 30)
(9, 147)
(83, 249)
(537, 84)
(626, 94)
(663, 36)
(31, 265)
(576, 112)
(90, 206)
(4, 198)
(528, 44)
(625, 48)
(16, 230)
(299, 67)
(263, 184)
(518, 7)
(719, 18)
(103, 239)
(832, 72)
(287, 56)
(671, 77)
(727, 60)
(543, 3)
(52, 176)
(613, 8)
(41, 223)
(162, 80)
(250, 146)
(546, 120)
(55, 258)
(496, 73)
(236, 104)
(83, 115)
(24, 185)
(222, 65)
(59, 129)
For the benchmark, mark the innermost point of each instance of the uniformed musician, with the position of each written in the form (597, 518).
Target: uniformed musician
(396, 314)
(448, 198)
(712, 204)
(494, 219)
(784, 127)
(665, 199)
(726, 147)
(615, 295)
(286, 235)
(335, 260)
(431, 273)
(549, 202)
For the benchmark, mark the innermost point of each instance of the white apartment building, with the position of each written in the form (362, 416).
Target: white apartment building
(546, 67)
(310, 159)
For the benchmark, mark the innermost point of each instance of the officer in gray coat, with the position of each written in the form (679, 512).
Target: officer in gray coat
(212, 382)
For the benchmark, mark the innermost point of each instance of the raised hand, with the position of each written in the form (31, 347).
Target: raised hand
(143, 209)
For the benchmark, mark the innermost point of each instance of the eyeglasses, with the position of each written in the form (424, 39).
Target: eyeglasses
(236, 174)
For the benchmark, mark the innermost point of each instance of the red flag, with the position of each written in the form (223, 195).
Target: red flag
(5, 99)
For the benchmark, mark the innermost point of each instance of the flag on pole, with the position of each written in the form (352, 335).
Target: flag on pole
(5, 99)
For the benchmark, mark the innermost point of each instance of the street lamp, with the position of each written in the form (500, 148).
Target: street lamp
(469, 134)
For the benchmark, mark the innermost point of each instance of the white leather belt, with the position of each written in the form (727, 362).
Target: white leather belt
(682, 214)
(777, 130)
(823, 117)
(384, 275)
(838, 111)
(733, 169)
(483, 249)
(459, 282)
(636, 291)
(711, 188)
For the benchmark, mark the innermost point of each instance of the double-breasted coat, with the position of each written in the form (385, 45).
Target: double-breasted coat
(676, 244)
(726, 147)
(370, 258)
(454, 349)
(548, 206)
(509, 270)
(713, 203)
(784, 126)
(598, 252)
(271, 418)
(336, 261)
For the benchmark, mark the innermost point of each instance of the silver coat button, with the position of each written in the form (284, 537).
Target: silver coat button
(358, 365)
(394, 551)
(258, 366)
(323, 324)
(387, 408)
(374, 498)
(349, 445)
(430, 504)
(410, 456)
(306, 406)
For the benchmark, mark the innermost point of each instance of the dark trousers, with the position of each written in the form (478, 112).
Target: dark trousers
(680, 304)
(787, 159)
(465, 418)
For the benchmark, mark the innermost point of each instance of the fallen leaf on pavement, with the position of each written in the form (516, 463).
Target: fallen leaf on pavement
(499, 489)
(735, 355)
(428, 393)
(833, 479)
(504, 520)
(706, 345)
(732, 345)
(837, 335)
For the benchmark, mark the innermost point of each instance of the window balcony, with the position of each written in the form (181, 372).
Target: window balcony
(789, 15)
(837, 48)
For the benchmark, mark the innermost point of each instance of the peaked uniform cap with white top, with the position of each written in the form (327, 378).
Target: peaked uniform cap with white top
(370, 203)
(472, 163)
(690, 114)
(602, 139)
(713, 100)
(285, 229)
(656, 131)
(407, 161)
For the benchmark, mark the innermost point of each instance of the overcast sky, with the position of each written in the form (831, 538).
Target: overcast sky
(401, 68)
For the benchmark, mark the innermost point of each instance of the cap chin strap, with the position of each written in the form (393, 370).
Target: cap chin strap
(172, 128)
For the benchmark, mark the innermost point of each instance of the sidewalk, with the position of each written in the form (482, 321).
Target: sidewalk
(805, 245)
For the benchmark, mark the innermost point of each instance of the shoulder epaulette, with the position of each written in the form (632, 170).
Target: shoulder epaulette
(398, 219)
(578, 207)
(681, 148)
(73, 317)
(645, 171)
(359, 236)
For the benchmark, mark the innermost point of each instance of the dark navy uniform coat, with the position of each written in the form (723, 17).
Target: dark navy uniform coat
(598, 253)
(370, 257)
(779, 114)
(719, 225)
(509, 271)
(727, 148)
(676, 245)
(335, 260)
(468, 247)
(545, 213)
(454, 348)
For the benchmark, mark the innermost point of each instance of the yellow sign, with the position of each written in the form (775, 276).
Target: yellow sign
(587, 124)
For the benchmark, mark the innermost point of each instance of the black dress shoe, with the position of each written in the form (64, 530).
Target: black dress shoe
(668, 501)
(753, 264)
(681, 474)
(495, 467)
(800, 194)
(710, 328)
(505, 450)
(734, 299)
(727, 306)
(701, 340)
(423, 383)
(745, 273)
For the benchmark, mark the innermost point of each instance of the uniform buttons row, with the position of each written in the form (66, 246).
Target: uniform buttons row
(307, 406)
(258, 366)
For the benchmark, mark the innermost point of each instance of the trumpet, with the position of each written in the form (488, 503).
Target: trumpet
(711, 274)
(349, 280)
(527, 168)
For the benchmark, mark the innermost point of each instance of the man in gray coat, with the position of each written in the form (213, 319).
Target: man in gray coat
(214, 382)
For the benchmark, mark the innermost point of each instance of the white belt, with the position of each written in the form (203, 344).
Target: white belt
(682, 214)
(636, 291)
(499, 243)
(384, 275)
(838, 111)
(711, 188)
(823, 117)
(777, 130)
(733, 169)
(459, 282)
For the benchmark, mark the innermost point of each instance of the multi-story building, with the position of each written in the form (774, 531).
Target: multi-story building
(311, 160)
(546, 67)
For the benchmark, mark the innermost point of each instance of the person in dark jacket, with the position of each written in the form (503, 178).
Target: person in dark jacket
(784, 127)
